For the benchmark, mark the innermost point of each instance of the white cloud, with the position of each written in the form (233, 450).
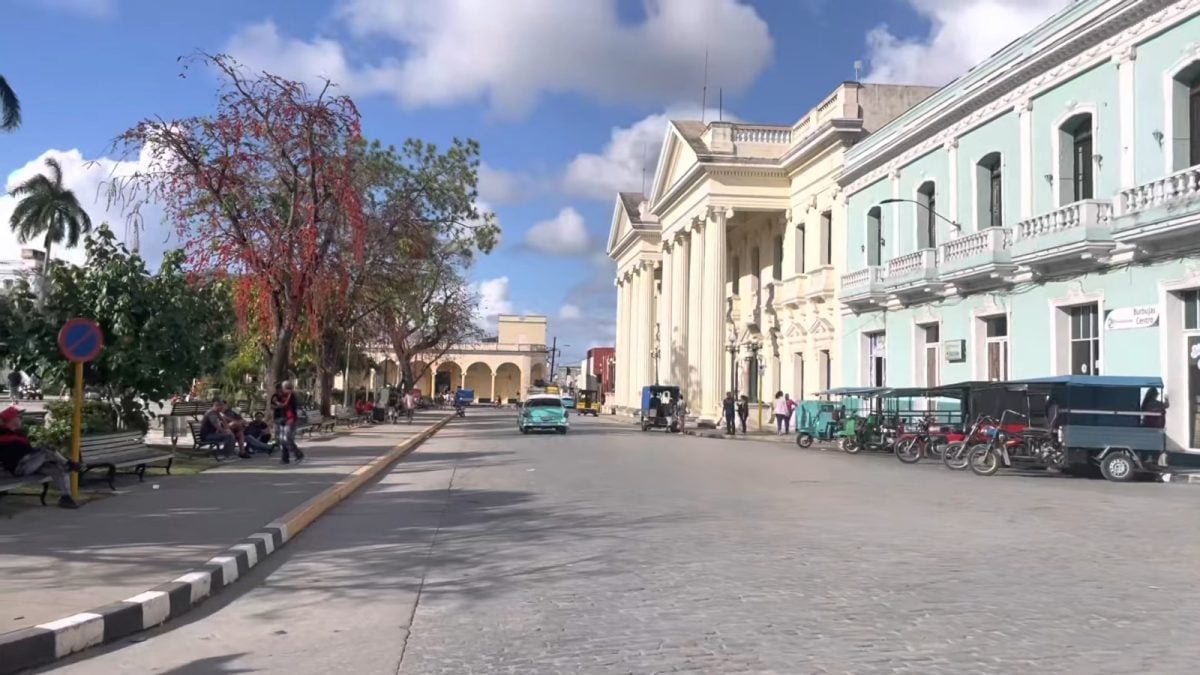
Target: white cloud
(493, 300)
(962, 33)
(89, 179)
(629, 151)
(500, 186)
(569, 312)
(512, 53)
(564, 234)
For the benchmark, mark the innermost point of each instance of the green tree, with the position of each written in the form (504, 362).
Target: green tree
(10, 107)
(161, 330)
(48, 210)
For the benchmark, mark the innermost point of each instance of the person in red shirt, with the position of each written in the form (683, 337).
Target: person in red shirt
(20, 458)
(291, 416)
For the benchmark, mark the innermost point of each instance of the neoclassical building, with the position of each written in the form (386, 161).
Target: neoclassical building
(727, 271)
(502, 369)
(1040, 215)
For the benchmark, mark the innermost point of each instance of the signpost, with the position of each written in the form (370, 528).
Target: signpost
(80, 340)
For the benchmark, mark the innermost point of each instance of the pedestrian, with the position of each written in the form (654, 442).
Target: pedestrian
(20, 458)
(781, 412)
(214, 430)
(291, 416)
(681, 414)
(729, 408)
(276, 404)
(1156, 409)
(743, 411)
(14, 385)
(791, 406)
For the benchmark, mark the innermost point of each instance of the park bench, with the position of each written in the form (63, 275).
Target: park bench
(199, 444)
(121, 450)
(188, 409)
(9, 482)
(33, 418)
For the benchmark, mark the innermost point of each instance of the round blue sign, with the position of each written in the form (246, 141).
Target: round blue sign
(80, 340)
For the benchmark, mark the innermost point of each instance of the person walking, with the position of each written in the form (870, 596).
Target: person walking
(729, 408)
(743, 411)
(291, 416)
(791, 408)
(781, 412)
(681, 414)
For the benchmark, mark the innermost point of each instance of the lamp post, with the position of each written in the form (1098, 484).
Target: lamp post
(732, 348)
(757, 373)
(656, 352)
(899, 200)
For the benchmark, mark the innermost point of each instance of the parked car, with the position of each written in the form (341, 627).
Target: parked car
(543, 412)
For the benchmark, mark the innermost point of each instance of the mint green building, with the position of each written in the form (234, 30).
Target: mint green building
(1039, 216)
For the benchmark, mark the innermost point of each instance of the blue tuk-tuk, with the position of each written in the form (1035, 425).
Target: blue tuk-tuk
(464, 397)
(660, 405)
(1081, 423)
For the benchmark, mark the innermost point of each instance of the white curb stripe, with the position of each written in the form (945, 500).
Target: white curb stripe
(251, 553)
(156, 607)
(228, 564)
(267, 539)
(76, 633)
(283, 530)
(201, 583)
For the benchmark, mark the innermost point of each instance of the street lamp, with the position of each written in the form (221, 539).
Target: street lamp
(732, 348)
(757, 373)
(898, 200)
(656, 352)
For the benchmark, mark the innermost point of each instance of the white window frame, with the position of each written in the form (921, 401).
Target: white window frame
(1060, 324)
(928, 349)
(989, 341)
(1056, 141)
(1168, 130)
(923, 212)
(1172, 337)
(976, 209)
(868, 370)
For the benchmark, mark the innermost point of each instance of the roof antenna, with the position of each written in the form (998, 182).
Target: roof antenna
(857, 67)
(704, 92)
(643, 167)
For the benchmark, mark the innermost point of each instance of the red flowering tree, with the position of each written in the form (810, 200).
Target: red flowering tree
(263, 190)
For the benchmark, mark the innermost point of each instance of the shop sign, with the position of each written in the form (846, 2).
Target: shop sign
(956, 350)
(1124, 318)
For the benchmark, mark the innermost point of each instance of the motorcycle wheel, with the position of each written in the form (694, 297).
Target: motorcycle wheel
(850, 447)
(908, 451)
(804, 440)
(954, 456)
(983, 460)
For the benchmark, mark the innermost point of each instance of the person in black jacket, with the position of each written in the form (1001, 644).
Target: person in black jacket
(20, 458)
(729, 408)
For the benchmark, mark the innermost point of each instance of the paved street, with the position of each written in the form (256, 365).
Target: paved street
(616, 551)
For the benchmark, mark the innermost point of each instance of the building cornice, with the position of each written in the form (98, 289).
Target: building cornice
(1074, 49)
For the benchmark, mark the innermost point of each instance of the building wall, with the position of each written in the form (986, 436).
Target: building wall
(1140, 250)
(525, 330)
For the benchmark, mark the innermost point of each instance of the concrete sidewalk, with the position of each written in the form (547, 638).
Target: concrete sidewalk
(56, 562)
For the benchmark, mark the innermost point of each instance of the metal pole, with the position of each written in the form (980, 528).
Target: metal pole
(553, 353)
(346, 378)
(76, 426)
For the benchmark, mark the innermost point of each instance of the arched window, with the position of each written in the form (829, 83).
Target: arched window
(1075, 172)
(926, 221)
(1185, 117)
(874, 237)
(989, 186)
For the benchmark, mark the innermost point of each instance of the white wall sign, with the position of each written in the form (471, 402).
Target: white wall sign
(1124, 318)
(955, 350)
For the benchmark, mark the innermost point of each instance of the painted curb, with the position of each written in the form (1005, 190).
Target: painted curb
(48, 642)
(1181, 478)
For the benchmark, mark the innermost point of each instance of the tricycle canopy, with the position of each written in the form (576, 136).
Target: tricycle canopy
(652, 395)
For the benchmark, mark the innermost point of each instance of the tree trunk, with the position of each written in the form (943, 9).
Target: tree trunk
(327, 369)
(406, 372)
(279, 357)
(44, 289)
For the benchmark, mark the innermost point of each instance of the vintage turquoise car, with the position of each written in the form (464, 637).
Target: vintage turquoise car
(543, 412)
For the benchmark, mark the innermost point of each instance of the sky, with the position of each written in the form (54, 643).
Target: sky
(568, 98)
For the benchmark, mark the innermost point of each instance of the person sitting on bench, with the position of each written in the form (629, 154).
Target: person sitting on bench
(213, 430)
(20, 458)
(258, 435)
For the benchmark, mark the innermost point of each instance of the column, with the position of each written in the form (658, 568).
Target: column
(1024, 113)
(622, 346)
(636, 361)
(714, 309)
(1127, 110)
(679, 310)
(695, 268)
(951, 148)
(625, 361)
(666, 359)
(646, 301)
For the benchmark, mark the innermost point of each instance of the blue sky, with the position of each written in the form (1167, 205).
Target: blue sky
(565, 96)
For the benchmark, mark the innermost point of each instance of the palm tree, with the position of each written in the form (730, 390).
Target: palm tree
(47, 209)
(10, 107)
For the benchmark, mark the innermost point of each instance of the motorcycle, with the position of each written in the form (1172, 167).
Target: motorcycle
(1009, 447)
(460, 411)
(925, 443)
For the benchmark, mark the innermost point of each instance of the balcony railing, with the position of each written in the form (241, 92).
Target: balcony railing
(916, 266)
(1087, 213)
(761, 134)
(982, 243)
(1167, 191)
(862, 280)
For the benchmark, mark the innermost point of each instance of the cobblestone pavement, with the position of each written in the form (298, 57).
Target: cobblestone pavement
(615, 551)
